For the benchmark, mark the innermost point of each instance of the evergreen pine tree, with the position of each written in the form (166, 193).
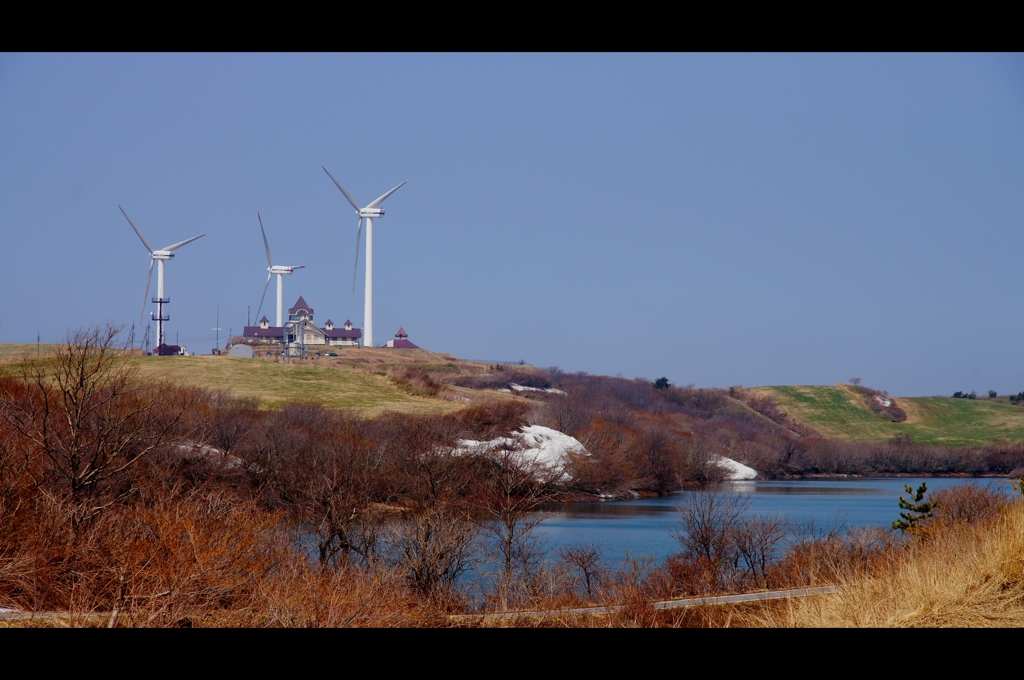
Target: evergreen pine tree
(917, 509)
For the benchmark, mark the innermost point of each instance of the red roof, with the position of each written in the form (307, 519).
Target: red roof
(401, 333)
(301, 304)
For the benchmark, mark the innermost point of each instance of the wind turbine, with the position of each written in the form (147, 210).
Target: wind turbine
(159, 257)
(367, 213)
(280, 270)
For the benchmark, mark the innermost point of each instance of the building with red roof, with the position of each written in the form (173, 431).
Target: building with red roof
(401, 341)
(301, 329)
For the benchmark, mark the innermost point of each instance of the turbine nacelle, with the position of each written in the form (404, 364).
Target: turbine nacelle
(369, 213)
(280, 270)
(162, 256)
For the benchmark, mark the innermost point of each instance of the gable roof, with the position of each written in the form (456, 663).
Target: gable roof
(258, 332)
(299, 305)
(336, 332)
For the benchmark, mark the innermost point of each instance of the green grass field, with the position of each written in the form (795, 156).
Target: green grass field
(840, 413)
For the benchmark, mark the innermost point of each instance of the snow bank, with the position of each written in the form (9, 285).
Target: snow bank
(524, 388)
(734, 471)
(546, 449)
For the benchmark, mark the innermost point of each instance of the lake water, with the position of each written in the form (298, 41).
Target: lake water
(641, 526)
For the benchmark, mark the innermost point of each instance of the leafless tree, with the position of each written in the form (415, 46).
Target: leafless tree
(757, 541)
(586, 558)
(87, 415)
(513, 482)
(708, 524)
(433, 546)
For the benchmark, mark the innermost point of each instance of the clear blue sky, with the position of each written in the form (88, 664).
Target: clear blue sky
(716, 219)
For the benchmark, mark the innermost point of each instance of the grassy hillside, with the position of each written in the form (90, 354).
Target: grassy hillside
(275, 384)
(841, 413)
(17, 351)
(356, 379)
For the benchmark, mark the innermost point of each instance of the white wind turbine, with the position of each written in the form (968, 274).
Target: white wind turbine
(280, 270)
(368, 213)
(159, 257)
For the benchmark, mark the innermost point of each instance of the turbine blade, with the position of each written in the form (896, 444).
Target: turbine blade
(347, 195)
(380, 200)
(145, 241)
(270, 259)
(181, 243)
(355, 270)
(145, 295)
(269, 276)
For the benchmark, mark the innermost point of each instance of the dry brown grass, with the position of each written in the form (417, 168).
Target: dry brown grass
(15, 352)
(955, 576)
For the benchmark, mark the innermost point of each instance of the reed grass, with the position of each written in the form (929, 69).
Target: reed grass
(959, 576)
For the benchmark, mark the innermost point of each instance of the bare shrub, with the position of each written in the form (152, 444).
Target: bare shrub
(585, 560)
(415, 380)
(432, 548)
(84, 413)
(300, 596)
(508, 488)
(490, 420)
(969, 503)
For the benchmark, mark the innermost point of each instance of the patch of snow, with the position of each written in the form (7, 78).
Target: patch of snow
(734, 471)
(883, 402)
(193, 450)
(524, 388)
(546, 449)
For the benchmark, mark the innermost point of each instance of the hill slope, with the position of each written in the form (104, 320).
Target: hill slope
(276, 384)
(841, 413)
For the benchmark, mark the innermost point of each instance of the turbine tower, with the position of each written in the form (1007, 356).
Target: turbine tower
(368, 213)
(159, 257)
(280, 270)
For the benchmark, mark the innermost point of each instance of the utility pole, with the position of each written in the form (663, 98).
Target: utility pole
(218, 329)
(248, 315)
(37, 343)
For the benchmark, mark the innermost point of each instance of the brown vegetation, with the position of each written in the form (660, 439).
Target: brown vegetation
(125, 503)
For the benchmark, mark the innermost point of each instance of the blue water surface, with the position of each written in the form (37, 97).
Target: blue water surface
(642, 527)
